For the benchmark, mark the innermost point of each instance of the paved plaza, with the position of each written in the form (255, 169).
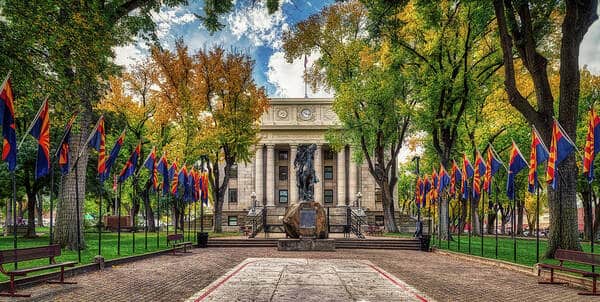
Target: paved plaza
(179, 278)
(278, 279)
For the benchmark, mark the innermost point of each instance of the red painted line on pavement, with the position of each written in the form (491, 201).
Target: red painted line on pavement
(382, 273)
(212, 289)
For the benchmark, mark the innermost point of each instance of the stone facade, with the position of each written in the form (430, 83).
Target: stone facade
(287, 124)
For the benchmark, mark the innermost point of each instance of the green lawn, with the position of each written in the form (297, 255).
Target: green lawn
(109, 246)
(526, 248)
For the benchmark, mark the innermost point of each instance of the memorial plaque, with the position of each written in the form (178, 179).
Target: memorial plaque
(308, 218)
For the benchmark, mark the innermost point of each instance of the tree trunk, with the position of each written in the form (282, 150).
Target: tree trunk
(389, 216)
(149, 213)
(491, 223)
(520, 206)
(66, 215)
(586, 198)
(444, 219)
(475, 227)
(31, 202)
(40, 210)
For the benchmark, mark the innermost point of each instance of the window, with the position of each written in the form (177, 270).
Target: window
(328, 196)
(283, 155)
(328, 171)
(328, 155)
(379, 220)
(283, 196)
(378, 196)
(232, 196)
(232, 221)
(233, 172)
(283, 173)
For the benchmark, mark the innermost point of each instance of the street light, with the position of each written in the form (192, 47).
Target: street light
(358, 198)
(253, 196)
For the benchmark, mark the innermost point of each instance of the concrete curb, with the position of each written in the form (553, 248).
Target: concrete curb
(78, 270)
(574, 281)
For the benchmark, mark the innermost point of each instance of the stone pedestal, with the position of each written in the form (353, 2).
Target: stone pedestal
(306, 220)
(306, 245)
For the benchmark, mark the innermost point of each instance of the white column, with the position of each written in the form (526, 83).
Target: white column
(341, 177)
(353, 178)
(293, 193)
(319, 172)
(259, 175)
(270, 175)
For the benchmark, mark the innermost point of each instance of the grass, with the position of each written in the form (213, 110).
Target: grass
(526, 248)
(109, 247)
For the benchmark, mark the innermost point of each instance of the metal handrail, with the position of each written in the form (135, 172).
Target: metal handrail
(256, 221)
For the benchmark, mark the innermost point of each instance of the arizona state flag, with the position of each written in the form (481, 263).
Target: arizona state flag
(479, 170)
(204, 196)
(197, 186)
(492, 165)
(516, 163)
(98, 141)
(444, 179)
(129, 167)
(41, 132)
(560, 148)
(112, 157)
(426, 189)
(174, 178)
(592, 145)
(456, 178)
(183, 181)
(7, 110)
(434, 179)
(538, 155)
(151, 164)
(163, 168)
(467, 172)
(64, 147)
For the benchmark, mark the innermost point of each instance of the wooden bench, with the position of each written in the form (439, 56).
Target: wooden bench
(32, 253)
(374, 230)
(176, 240)
(246, 230)
(575, 257)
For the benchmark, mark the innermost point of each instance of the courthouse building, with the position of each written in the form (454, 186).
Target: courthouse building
(287, 124)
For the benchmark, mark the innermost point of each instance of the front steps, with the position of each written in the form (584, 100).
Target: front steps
(385, 244)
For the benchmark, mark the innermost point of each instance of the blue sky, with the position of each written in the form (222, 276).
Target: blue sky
(252, 30)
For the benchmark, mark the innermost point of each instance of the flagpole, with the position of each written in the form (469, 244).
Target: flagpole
(32, 123)
(146, 222)
(481, 198)
(514, 231)
(496, 207)
(459, 228)
(196, 218)
(591, 225)
(77, 211)
(158, 198)
(100, 191)
(469, 210)
(537, 225)
(189, 220)
(133, 225)
(447, 222)
(51, 202)
(119, 219)
(14, 187)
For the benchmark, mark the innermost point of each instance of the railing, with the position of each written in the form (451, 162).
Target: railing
(256, 221)
(356, 221)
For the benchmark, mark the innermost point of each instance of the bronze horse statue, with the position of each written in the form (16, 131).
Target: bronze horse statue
(305, 171)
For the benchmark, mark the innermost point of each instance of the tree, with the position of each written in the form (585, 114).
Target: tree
(371, 93)
(74, 40)
(525, 28)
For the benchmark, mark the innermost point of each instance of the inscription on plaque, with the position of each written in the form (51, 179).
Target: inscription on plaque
(308, 218)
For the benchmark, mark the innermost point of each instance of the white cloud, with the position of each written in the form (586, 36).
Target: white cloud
(590, 48)
(288, 77)
(128, 55)
(255, 23)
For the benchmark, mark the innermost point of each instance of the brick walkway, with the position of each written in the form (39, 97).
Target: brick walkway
(176, 278)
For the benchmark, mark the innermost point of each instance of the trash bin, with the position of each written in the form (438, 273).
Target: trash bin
(202, 239)
(425, 240)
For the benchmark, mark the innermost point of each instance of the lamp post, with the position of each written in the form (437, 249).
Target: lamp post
(253, 196)
(417, 158)
(358, 199)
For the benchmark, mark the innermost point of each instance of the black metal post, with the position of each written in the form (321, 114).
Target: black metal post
(189, 220)
(447, 223)
(458, 227)
(99, 224)
(514, 230)
(481, 198)
(14, 205)
(77, 210)
(158, 219)
(537, 225)
(496, 210)
(201, 216)
(592, 239)
(119, 219)
(146, 223)
(469, 210)
(133, 224)
(195, 218)
(51, 204)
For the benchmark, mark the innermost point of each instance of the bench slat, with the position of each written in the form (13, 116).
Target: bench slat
(569, 269)
(31, 253)
(41, 268)
(174, 237)
(577, 257)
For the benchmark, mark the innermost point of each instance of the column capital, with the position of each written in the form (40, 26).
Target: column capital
(293, 145)
(270, 146)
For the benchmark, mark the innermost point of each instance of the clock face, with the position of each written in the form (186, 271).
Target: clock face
(306, 113)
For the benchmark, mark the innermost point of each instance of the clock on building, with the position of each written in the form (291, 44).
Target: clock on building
(305, 114)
